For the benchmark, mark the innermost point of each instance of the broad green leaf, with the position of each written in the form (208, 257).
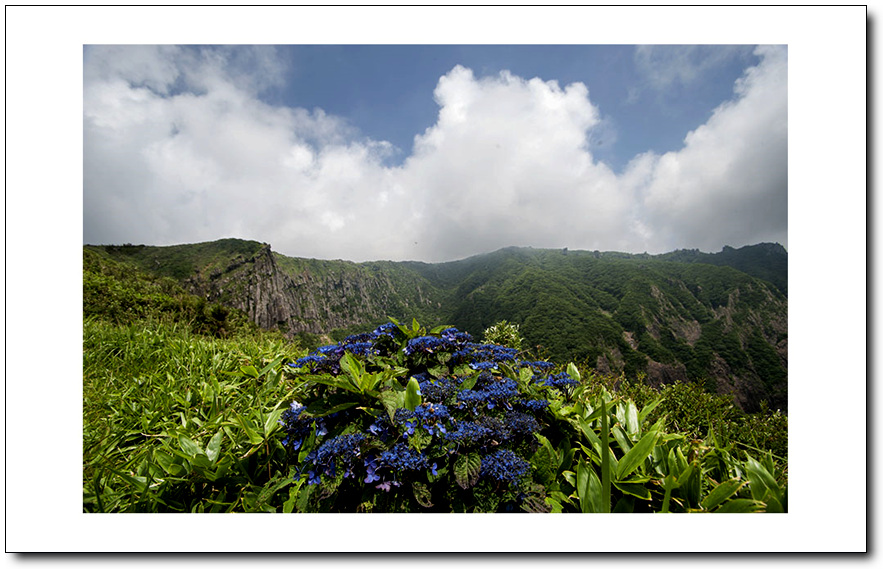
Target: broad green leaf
(214, 447)
(588, 488)
(351, 366)
(573, 372)
(637, 455)
(271, 422)
(542, 461)
(139, 482)
(721, 493)
(643, 413)
(740, 506)
(188, 446)
(621, 438)
(250, 371)
(413, 397)
(632, 425)
(392, 400)
(636, 490)
(291, 502)
(590, 434)
(582, 486)
(422, 494)
(340, 383)
(606, 469)
(250, 432)
(271, 365)
(761, 482)
(525, 375)
(556, 506)
(469, 381)
(332, 410)
(200, 460)
(466, 469)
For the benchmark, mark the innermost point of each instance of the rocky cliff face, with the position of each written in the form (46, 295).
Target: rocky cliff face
(297, 299)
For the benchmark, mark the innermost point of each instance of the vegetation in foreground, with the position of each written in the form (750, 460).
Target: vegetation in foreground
(402, 419)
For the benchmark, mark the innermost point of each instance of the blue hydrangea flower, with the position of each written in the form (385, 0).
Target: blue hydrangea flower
(560, 381)
(424, 345)
(343, 450)
(505, 466)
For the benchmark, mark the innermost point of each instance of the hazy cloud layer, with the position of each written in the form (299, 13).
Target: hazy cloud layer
(179, 147)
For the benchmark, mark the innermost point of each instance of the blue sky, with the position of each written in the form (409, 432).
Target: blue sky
(386, 90)
(436, 152)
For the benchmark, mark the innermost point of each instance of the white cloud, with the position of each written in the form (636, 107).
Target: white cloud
(179, 148)
(728, 184)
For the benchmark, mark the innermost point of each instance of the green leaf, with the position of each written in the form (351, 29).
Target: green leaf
(331, 410)
(642, 415)
(588, 488)
(271, 423)
(272, 365)
(250, 371)
(214, 447)
(761, 482)
(466, 469)
(200, 460)
(543, 461)
(252, 434)
(573, 372)
(637, 455)
(636, 490)
(606, 470)
(412, 395)
(469, 381)
(392, 400)
(723, 491)
(351, 366)
(188, 446)
(632, 426)
(422, 494)
(740, 506)
(621, 438)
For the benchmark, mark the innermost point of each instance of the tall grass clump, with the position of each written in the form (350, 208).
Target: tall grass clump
(176, 421)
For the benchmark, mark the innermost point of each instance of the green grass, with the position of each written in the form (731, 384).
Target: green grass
(175, 421)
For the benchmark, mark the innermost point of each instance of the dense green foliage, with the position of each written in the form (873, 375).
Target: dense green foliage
(400, 419)
(716, 319)
(174, 421)
(121, 293)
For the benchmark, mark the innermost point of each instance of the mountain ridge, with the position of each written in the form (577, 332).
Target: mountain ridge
(679, 316)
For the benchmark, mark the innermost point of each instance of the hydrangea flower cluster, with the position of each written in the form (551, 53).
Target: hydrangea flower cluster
(298, 427)
(466, 404)
(326, 359)
(473, 353)
(505, 466)
(538, 366)
(338, 451)
(560, 381)
(492, 393)
(428, 416)
(491, 431)
(437, 390)
(399, 458)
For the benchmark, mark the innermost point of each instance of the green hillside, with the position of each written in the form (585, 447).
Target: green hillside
(680, 317)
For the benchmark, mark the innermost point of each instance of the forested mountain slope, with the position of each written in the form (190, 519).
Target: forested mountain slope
(719, 319)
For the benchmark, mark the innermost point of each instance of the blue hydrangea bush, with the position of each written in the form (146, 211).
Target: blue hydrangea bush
(401, 419)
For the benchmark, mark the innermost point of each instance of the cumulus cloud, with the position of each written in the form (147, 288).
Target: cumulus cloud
(728, 184)
(180, 147)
